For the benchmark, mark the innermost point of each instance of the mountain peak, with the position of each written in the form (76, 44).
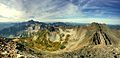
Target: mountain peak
(98, 26)
(94, 23)
(31, 21)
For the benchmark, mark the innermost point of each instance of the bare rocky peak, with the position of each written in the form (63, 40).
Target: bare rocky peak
(100, 34)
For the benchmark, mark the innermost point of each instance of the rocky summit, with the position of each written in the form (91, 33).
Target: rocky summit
(60, 40)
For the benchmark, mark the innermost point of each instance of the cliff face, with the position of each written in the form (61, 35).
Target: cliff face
(103, 35)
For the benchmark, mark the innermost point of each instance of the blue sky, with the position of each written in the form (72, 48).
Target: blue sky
(80, 11)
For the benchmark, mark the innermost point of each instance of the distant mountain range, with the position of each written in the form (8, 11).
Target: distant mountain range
(16, 29)
(11, 30)
(5, 25)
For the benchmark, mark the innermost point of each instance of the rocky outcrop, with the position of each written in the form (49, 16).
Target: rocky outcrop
(7, 49)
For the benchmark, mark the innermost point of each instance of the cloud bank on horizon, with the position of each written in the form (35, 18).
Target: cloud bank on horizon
(60, 10)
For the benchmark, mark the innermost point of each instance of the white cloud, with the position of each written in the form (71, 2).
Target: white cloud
(71, 9)
(6, 11)
(11, 19)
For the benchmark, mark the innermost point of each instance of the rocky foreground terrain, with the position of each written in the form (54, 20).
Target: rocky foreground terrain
(93, 40)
